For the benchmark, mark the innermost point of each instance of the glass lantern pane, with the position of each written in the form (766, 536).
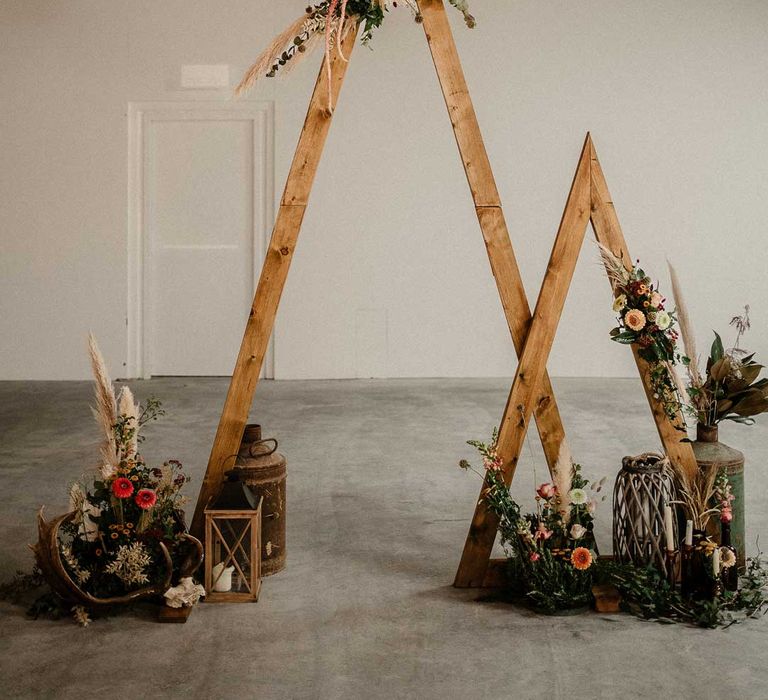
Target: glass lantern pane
(233, 549)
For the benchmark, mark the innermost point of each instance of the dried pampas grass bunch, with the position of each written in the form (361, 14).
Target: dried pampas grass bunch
(562, 479)
(105, 410)
(328, 20)
(686, 333)
(695, 494)
(617, 271)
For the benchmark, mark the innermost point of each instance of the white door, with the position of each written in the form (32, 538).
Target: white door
(205, 211)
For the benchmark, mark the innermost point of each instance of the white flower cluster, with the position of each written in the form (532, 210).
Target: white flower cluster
(82, 575)
(129, 564)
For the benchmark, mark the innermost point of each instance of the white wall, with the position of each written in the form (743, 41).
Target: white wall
(675, 94)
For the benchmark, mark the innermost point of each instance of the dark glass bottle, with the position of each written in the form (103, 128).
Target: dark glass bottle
(729, 575)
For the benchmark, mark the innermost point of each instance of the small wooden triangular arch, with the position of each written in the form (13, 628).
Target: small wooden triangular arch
(588, 201)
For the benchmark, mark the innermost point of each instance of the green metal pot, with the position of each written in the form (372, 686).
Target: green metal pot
(712, 454)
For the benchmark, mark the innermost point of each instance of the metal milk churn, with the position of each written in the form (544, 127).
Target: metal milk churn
(263, 469)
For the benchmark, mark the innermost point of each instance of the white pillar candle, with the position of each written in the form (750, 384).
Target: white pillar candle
(716, 562)
(689, 532)
(668, 529)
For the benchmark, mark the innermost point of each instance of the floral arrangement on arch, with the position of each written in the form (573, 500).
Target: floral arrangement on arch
(645, 322)
(328, 23)
(552, 553)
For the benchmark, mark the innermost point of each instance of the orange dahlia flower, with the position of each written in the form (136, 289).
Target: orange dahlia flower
(581, 558)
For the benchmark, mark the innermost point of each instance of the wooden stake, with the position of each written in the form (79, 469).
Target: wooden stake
(273, 275)
(494, 228)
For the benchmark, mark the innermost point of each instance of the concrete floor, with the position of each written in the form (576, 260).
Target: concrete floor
(378, 511)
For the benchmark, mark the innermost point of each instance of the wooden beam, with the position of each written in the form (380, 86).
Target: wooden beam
(531, 368)
(273, 275)
(494, 229)
(607, 229)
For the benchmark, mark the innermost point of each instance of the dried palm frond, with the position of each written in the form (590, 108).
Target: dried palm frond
(618, 274)
(128, 409)
(105, 410)
(562, 478)
(271, 55)
(695, 493)
(686, 329)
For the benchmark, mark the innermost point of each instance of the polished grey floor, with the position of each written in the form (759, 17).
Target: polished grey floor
(378, 511)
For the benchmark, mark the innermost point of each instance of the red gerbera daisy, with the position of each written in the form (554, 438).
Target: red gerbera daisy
(146, 498)
(122, 487)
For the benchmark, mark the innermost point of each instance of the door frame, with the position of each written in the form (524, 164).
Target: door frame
(140, 116)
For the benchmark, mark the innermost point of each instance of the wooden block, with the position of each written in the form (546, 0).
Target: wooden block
(607, 598)
(174, 615)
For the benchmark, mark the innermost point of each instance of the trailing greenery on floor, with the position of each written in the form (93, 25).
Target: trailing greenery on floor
(647, 594)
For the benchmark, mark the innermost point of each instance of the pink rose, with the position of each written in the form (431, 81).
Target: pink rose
(535, 556)
(542, 533)
(726, 515)
(656, 299)
(546, 491)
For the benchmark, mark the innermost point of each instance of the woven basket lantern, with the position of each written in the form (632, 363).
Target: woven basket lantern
(643, 487)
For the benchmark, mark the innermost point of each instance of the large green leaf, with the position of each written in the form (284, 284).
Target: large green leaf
(721, 369)
(717, 351)
(625, 338)
(724, 407)
(752, 405)
(750, 372)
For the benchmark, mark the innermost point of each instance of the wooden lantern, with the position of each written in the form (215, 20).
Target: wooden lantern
(233, 554)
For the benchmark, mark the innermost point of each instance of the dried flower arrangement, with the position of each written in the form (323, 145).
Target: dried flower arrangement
(552, 553)
(730, 388)
(124, 537)
(328, 22)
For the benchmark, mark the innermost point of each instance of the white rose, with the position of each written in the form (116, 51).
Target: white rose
(578, 531)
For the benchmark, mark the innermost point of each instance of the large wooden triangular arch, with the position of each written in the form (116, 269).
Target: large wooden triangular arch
(532, 334)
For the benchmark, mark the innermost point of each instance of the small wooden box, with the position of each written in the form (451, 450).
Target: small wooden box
(233, 537)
